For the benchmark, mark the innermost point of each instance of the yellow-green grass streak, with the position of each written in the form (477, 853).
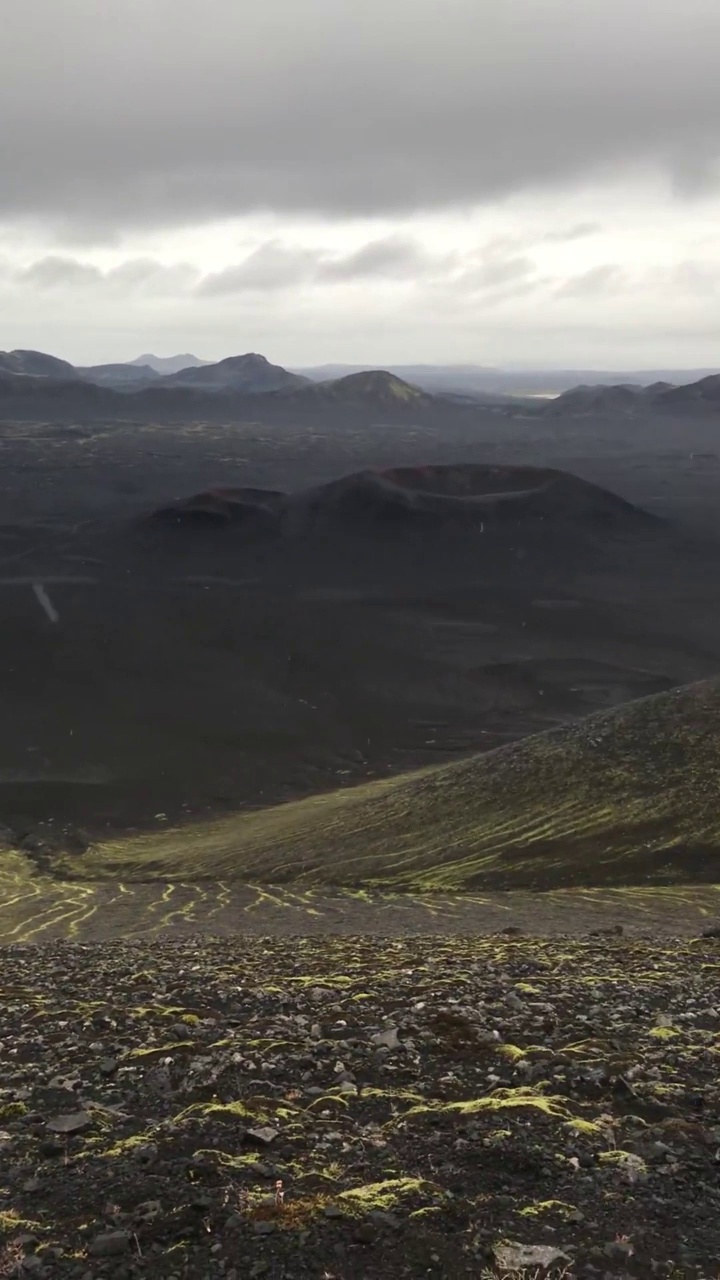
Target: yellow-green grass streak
(615, 799)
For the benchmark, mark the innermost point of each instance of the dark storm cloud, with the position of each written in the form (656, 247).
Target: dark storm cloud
(149, 114)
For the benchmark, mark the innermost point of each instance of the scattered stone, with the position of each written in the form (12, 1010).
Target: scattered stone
(365, 1233)
(75, 1122)
(76, 840)
(32, 1265)
(146, 1153)
(381, 1218)
(32, 843)
(110, 1245)
(265, 1134)
(387, 1039)
(618, 1250)
(559, 1115)
(49, 1149)
(148, 1211)
(513, 1257)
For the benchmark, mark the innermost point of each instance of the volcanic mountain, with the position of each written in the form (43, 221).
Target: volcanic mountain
(36, 364)
(466, 495)
(375, 386)
(706, 392)
(248, 374)
(224, 506)
(631, 400)
(624, 399)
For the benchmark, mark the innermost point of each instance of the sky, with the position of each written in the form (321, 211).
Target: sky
(531, 182)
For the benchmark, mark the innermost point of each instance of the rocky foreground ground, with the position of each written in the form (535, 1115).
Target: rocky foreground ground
(358, 1107)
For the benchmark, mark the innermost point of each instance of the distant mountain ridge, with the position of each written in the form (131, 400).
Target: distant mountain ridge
(241, 386)
(631, 400)
(35, 383)
(169, 364)
(119, 375)
(253, 374)
(474, 378)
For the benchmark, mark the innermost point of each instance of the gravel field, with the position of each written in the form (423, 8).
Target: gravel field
(347, 1107)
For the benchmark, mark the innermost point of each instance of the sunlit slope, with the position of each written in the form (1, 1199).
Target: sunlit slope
(623, 797)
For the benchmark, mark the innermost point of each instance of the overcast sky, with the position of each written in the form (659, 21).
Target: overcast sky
(385, 181)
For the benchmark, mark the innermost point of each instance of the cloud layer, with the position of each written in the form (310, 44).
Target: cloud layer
(275, 266)
(140, 114)
(391, 180)
(574, 293)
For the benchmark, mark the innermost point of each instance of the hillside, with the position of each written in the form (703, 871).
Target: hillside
(118, 375)
(625, 797)
(632, 400)
(373, 388)
(483, 498)
(223, 506)
(580, 401)
(375, 385)
(706, 392)
(36, 364)
(249, 374)
(30, 397)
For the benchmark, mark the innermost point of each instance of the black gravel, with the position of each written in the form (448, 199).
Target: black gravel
(360, 1107)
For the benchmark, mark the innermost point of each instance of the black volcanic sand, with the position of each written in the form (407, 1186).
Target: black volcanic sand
(196, 671)
(360, 1108)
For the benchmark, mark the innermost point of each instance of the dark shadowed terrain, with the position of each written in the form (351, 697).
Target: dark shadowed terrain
(199, 666)
(205, 618)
